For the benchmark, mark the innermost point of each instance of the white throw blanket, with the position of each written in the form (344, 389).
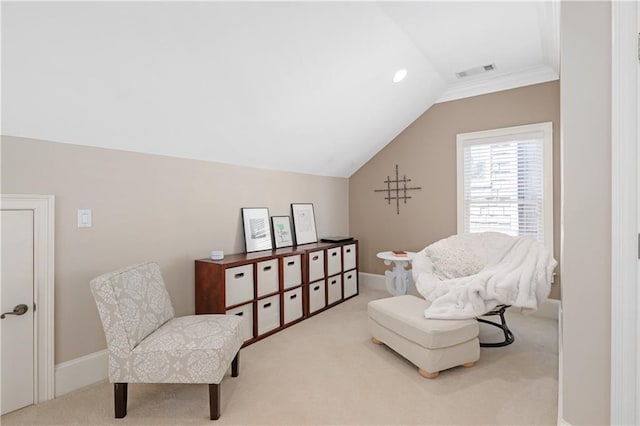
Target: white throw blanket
(517, 271)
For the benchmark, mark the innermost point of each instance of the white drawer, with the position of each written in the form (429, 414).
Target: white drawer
(334, 261)
(268, 314)
(350, 280)
(316, 296)
(292, 271)
(316, 265)
(292, 305)
(349, 255)
(334, 289)
(246, 312)
(267, 277)
(238, 285)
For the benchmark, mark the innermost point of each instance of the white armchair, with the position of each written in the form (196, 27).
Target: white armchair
(147, 344)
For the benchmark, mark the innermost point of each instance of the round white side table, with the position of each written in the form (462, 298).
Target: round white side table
(399, 279)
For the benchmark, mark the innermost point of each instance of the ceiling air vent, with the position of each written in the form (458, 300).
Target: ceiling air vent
(476, 70)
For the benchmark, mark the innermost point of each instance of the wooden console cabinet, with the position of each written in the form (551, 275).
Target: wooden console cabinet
(277, 288)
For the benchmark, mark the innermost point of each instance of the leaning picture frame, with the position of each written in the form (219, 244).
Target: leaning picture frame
(257, 230)
(304, 223)
(281, 227)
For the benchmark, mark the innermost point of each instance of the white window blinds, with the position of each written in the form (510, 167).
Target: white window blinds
(501, 177)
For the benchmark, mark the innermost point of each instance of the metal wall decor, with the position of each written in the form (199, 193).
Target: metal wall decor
(397, 190)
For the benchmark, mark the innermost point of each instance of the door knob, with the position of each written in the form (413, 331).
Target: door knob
(20, 309)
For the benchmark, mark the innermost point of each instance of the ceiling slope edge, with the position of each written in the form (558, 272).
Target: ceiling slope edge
(499, 82)
(41, 139)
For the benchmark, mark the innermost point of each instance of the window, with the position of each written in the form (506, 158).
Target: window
(505, 182)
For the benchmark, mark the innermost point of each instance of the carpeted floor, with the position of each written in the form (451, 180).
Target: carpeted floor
(325, 370)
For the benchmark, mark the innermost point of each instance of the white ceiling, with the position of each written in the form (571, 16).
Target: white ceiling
(296, 86)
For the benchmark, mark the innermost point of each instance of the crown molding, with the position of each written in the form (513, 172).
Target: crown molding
(498, 82)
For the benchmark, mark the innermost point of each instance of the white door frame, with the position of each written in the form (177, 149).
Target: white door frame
(43, 207)
(625, 320)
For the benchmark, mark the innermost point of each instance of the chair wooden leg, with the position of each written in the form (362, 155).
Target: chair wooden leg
(214, 401)
(120, 398)
(427, 374)
(235, 365)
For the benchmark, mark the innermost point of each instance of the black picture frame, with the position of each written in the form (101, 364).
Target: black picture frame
(304, 223)
(257, 229)
(282, 233)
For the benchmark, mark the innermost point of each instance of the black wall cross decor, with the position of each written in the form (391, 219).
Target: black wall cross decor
(397, 190)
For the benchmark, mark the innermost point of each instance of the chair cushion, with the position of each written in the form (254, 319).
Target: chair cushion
(189, 349)
(142, 299)
(404, 315)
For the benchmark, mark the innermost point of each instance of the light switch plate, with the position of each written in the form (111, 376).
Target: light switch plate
(84, 218)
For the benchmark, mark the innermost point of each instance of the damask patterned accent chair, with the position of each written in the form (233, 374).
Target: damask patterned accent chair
(148, 344)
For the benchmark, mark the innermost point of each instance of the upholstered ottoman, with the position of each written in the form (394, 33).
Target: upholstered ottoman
(432, 345)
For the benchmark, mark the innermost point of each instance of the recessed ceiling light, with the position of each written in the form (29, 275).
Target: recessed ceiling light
(400, 75)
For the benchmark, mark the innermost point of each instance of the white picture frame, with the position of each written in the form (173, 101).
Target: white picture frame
(304, 223)
(257, 229)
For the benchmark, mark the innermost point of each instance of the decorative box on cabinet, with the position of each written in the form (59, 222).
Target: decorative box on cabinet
(238, 285)
(246, 312)
(334, 261)
(274, 289)
(268, 282)
(316, 265)
(350, 265)
(340, 263)
(292, 271)
(292, 305)
(350, 283)
(349, 256)
(268, 314)
(334, 289)
(317, 296)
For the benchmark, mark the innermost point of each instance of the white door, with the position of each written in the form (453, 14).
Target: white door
(17, 330)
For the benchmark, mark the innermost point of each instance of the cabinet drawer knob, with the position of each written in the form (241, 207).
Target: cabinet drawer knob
(334, 254)
(348, 250)
(316, 288)
(240, 314)
(293, 296)
(314, 258)
(239, 275)
(333, 282)
(266, 305)
(266, 268)
(348, 277)
(291, 263)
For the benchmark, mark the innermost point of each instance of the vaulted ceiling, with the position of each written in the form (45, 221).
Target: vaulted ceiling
(295, 86)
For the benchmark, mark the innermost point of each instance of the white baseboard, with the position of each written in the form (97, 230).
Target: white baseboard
(81, 372)
(549, 308)
(372, 281)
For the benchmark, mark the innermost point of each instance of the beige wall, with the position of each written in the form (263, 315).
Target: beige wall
(148, 207)
(426, 152)
(586, 211)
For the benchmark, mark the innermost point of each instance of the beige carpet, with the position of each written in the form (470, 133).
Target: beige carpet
(325, 370)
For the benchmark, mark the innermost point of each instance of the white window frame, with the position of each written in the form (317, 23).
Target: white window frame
(464, 140)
